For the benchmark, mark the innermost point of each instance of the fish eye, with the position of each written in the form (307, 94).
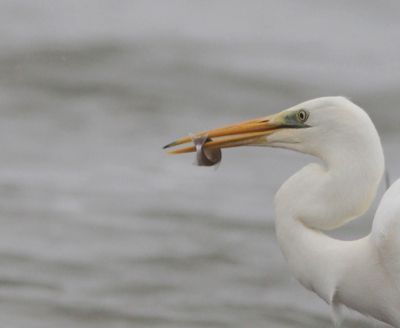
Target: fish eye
(302, 115)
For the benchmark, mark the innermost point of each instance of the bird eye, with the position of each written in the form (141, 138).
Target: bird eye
(302, 115)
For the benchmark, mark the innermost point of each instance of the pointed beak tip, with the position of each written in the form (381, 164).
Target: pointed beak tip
(169, 145)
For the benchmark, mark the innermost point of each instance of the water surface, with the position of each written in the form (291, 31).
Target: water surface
(99, 227)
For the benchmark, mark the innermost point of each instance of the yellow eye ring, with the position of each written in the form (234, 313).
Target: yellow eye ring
(302, 115)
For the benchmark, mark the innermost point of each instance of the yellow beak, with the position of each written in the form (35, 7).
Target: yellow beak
(246, 133)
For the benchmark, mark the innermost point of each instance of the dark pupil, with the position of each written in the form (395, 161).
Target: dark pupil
(301, 115)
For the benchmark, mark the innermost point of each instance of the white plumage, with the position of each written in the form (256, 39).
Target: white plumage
(363, 275)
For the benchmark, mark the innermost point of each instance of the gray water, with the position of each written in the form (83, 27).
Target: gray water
(98, 227)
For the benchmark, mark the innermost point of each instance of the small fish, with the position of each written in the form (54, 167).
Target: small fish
(205, 157)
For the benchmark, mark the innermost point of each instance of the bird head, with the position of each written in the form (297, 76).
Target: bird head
(330, 128)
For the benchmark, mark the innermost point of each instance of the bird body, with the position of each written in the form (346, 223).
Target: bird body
(350, 273)
(363, 275)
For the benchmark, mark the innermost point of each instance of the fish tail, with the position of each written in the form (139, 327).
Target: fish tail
(199, 141)
(216, 166)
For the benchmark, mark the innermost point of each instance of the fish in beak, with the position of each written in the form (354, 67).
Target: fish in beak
(205, 157)
(250, 133)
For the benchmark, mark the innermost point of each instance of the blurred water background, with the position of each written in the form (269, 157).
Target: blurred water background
(98, 227)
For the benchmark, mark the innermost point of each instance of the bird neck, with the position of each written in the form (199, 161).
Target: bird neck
(317, 261)
(319, 197)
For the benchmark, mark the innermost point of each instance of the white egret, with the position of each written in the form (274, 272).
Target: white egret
(363, 275)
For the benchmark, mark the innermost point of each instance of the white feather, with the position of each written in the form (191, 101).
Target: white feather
(363, 275)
